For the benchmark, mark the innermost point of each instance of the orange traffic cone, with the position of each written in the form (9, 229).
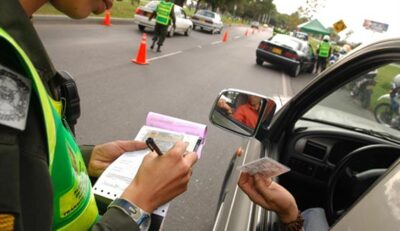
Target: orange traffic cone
(141, 54)
(246, 33)
(225, 38)
(107, 18)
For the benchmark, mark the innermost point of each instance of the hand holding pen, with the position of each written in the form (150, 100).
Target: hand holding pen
(153, 146)
(161, 179)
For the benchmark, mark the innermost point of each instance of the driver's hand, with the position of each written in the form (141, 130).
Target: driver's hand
(161, 178)
(269, 195)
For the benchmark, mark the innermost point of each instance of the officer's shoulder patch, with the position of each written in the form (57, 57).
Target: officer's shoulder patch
(15, 91)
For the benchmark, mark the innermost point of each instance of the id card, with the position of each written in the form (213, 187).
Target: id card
(265, 166)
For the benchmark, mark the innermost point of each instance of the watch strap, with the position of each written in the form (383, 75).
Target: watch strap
(141, 217)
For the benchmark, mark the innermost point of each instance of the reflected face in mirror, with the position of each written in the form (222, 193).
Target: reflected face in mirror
(238, 111)
(248, 113)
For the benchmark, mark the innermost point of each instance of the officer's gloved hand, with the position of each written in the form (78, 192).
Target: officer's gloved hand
(161, 178)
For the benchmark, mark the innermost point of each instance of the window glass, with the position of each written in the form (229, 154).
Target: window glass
(287, 41)
(368, 104)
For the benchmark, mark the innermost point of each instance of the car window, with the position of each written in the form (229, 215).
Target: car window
(206, 13)
(183, 13)
(178, 12)
(370, 104)
(286, 41)
(152, 5)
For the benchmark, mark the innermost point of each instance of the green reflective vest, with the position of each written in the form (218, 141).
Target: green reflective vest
(74, 204)
(163, 12)
(324, 48)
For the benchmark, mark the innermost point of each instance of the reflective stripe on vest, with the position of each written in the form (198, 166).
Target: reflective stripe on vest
(74, 204)
(164, 12)
(324, 48)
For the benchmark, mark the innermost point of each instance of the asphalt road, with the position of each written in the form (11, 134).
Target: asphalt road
(182, 81)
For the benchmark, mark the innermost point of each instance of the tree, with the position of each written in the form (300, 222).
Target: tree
(310, 8)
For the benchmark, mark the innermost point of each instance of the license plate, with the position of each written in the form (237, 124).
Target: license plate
(276, 50)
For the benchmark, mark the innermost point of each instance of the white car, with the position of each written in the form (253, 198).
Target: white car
(208, 20)
(142, 14)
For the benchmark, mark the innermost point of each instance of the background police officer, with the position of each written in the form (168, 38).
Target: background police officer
(324, 52)
(43, 172)
(164, 14)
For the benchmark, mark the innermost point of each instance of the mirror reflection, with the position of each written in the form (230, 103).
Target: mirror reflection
(238, 111)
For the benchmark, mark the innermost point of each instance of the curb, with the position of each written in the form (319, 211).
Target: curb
(89, 20)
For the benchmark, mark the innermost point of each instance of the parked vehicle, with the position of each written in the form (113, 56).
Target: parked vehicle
(341, 158)
(208, 21)
(362, 89)
(287, 52)
(385, 113)
(301, 35)
(255, 24)
(183, 24)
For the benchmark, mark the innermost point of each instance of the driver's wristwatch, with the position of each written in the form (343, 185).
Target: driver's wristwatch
(141, 217)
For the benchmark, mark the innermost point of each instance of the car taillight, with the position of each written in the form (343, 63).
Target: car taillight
(263, 46)
(209, 21)
(290, 55)
(138, 11)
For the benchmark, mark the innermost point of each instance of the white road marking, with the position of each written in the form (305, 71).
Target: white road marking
(237, 37)
(164, 56)
(199, 46)
(286, 87)
(215, 42)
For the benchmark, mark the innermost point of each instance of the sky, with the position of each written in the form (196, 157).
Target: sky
(353, 13)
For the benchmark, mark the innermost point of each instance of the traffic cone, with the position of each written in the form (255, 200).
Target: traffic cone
(246, 33)
(225, 38)
(107, 18)
(141, 54)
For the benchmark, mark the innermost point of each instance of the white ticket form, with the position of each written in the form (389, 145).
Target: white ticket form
(265, 166)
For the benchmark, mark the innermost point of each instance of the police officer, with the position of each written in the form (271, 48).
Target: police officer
(324, 52)
(44, 174)
(164, 14)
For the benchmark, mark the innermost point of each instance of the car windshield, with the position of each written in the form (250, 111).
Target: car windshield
(152, 5)
(286, 41)
(369, 104)
(206, 13)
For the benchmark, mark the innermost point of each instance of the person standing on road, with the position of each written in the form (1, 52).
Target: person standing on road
(324, 52)
(164, 14)
(44, 174)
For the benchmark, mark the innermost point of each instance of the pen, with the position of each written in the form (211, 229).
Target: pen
(153, 146)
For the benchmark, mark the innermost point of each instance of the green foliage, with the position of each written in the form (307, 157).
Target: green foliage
(120, 9)
(383, 82)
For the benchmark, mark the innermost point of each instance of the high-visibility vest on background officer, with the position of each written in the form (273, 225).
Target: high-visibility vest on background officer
(164, 14)
(323, 51)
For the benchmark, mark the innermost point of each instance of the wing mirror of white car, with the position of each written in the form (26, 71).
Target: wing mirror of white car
(241, 112)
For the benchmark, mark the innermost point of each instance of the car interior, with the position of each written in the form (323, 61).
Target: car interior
(337, 153)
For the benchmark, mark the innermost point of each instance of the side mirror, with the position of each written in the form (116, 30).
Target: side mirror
(241, 112)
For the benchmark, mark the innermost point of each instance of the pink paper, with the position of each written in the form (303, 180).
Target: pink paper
(178, 125)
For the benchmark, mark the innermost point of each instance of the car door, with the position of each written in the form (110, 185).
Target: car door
(274, 139)
(180, 22)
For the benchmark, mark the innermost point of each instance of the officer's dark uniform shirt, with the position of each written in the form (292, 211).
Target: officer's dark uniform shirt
(26, 196)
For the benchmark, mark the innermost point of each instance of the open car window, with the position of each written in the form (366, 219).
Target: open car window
(368, 104)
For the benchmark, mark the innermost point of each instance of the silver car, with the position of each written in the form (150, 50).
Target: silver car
(343, 157)
(142, 14)
(208, 21)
